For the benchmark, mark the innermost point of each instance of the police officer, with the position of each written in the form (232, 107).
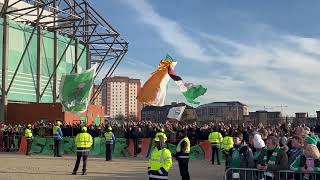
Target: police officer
(110, 139)
(215, 138)
(83, 142)
(29, 137)
(183, 150)
(227, 144)
(57, 135)
(160, 161)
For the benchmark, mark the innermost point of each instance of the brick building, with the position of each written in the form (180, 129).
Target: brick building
(98, 100)
(229, 112)
(119, 98)
(265, 117)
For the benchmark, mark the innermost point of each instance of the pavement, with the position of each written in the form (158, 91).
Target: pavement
(21, 167)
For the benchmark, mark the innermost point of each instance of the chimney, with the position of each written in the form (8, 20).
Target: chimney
(318, 114)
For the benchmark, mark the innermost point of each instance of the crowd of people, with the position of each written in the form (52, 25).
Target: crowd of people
(271, 153)
(268, 149)
(147, 129)
(129, 130)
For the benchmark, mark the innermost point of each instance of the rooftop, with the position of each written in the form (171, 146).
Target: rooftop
(165, 107)
(121, 78)
(227, 103)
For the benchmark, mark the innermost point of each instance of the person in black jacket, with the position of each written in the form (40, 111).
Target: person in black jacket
(240, 156)
(136, 135)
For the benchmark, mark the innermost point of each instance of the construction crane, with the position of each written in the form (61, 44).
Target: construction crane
(281, 106)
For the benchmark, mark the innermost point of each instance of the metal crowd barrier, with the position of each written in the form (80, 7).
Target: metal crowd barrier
(10, 143)
(255, 174)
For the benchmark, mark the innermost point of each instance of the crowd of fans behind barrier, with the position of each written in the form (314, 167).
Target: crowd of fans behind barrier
(147, 129)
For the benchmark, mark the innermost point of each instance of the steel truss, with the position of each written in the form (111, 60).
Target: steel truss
(78, 20)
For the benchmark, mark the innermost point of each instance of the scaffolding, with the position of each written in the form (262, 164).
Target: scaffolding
(75, 19)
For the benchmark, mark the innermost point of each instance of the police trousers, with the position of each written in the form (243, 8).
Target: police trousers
(109, 148)
(184, 168)
(215, 151)
(84, 156)
(29, 143)
(57, 147)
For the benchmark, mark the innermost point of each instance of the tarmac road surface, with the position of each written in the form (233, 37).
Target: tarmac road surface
(36, 167)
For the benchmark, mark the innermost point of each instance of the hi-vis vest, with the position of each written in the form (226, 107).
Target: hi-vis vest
(83, 142)
(186, 139)
(108, 136)
(55, 130)
(28, 133)
(227, 143)
(215, 137)
(160, 159)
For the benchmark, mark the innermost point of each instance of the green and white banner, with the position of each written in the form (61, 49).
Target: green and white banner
(75, 90)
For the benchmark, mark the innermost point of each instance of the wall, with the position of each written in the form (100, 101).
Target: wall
(94, 111)
(30, 113)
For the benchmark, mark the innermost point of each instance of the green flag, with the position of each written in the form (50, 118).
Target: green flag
(75, 90)
(193, 92)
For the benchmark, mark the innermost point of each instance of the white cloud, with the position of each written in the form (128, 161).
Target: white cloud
(169, 31)
(277, 66)
(307, 44)
(277, 69)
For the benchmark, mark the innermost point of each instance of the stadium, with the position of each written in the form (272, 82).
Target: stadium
(40, 41)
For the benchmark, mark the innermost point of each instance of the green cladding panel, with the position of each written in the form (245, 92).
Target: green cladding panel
(24, 85)
(1, 48)
(47, 65)
(25, 82)
(83, 58)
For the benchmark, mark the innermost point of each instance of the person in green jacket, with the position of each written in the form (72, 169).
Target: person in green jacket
(308, 164)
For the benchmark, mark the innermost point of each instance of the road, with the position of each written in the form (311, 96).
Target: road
(20, 167)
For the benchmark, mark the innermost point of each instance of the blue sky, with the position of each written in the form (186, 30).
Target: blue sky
(262, 53)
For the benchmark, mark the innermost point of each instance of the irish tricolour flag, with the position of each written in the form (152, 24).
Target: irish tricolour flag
(154, 90)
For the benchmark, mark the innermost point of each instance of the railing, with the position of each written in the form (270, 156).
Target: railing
(255, 174)
(10, 143)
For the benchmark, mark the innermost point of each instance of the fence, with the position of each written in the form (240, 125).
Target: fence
(255, 174)
(123, 147)
(10, 143)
